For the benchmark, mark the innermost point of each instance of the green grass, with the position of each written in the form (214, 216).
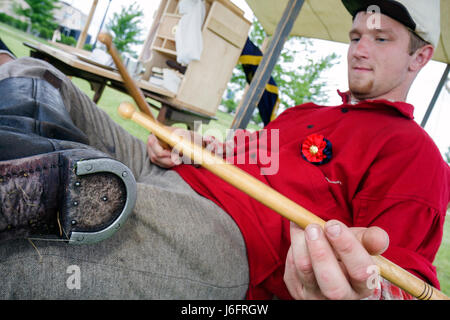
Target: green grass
(111, 99)
(109, 102)
(442, 261)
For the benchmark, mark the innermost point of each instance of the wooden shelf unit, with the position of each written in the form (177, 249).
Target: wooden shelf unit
(224, 33)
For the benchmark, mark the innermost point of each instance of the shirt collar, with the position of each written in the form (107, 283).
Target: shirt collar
(405, 109)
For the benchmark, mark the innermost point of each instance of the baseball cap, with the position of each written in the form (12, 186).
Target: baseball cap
(420, 16)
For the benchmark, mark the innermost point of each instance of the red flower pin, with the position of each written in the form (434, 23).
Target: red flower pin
(316, 149)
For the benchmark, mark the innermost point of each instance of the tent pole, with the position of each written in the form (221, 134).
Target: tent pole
(101, 25)
(82, 38)
(436, 96)
(265, 68)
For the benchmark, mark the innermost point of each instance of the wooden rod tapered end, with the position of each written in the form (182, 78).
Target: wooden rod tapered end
(126, 110)
(105, 38)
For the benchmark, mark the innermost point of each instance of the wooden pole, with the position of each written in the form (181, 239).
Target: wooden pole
(272, 198)
(146, 48)
(101, 24)
(265, 68)
(82, 38)
(129, 83)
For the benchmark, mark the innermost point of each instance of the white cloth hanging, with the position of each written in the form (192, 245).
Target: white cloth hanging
(188, 36)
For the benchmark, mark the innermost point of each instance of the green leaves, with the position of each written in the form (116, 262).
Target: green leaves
(125, 27)
(297, 73)
(40, 14)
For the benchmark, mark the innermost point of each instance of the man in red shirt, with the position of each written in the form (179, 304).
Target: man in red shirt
(383, 170)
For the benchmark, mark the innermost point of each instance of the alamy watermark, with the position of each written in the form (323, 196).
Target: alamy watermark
(259, 148)
(374, 21)
(374, 280)
(73, 282)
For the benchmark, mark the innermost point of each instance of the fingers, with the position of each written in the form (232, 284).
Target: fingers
(169, 158)
(332, 262)
(375, 240)
(291, 277)
(354, 256)
(329, 276)
(160, 156)
(217, 147)
(299, 274)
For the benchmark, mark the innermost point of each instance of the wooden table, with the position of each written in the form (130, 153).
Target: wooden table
(76, 63)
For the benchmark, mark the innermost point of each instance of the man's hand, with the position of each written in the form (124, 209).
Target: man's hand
(313, 270)
(160, 156)
(170, 158)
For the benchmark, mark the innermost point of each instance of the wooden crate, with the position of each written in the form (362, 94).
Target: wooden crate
(224, 33)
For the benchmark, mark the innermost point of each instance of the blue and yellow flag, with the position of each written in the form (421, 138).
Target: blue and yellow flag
(250, 58)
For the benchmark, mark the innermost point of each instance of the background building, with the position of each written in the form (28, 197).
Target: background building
(71, 20)
(8, 6)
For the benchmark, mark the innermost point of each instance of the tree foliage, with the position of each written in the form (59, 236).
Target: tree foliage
(447, 155)
(126, 29)
(40, 14)
(297, 74)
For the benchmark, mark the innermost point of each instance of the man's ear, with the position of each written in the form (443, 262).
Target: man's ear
(421, 57)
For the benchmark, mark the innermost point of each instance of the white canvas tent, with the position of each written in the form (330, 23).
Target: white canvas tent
(329, 20)
(320, 19)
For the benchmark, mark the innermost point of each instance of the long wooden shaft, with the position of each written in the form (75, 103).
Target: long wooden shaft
(263, 72)
(129, 83)
(271, 198)
(82, 38)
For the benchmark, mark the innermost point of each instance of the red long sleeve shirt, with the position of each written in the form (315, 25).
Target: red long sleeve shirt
(384, 171)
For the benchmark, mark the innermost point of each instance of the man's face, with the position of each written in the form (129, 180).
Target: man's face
(378, 58)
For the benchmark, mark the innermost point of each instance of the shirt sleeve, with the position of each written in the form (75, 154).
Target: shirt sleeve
(405, 192)
(415, 231)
